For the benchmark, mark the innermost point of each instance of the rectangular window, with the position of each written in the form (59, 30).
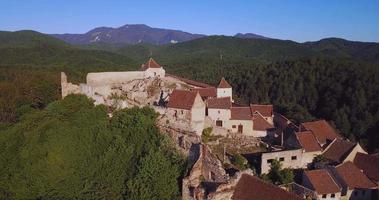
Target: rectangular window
(363, 192)
(234, 126)
(355, 193)
(281, 159)
(269, 161)
(324, 196)
(332, 195)
(293, 157)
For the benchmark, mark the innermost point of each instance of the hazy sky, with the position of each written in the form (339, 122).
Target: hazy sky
(299, 20)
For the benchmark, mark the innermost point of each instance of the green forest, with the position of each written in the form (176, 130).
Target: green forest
(54, 146)
(71, 150)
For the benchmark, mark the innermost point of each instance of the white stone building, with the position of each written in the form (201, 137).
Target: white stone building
(288, 158)
(188, 106)
(248, 121)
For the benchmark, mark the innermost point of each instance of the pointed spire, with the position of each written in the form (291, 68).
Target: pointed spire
(223, 84)
(151, 63)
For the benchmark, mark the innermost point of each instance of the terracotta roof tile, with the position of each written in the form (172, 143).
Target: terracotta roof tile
(308, 141)
(369, 164)
(182, 99)
(260, 123)
(353, 177)
(322, 181)
(240, 113)
(265, 110)
(322, 130)
(252, 188)
(220, 103)
(151, 63)
(206, 92)
(224, 84)
(338, 150)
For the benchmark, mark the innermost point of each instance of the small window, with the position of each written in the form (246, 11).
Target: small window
(293, 157)
(218, 112)
(324, 196)
(355, 193)
(182, 112)
(363, 192)
(281, 159)
(234, 126)
(332, 195)
(269, 161)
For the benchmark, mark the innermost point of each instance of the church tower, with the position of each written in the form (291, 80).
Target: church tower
(224, 89)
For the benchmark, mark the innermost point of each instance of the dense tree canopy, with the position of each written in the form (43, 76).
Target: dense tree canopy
(71, 149)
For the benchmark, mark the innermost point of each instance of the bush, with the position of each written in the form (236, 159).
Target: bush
(206, 134)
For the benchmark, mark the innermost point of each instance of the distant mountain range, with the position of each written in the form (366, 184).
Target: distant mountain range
(135, 34)
(129, 34)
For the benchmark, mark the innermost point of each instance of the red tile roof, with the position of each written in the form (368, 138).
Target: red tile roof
(240, 113)
(252, 188)
(219, 103)
(182, 99)
(322, 181)
(338, 150)
(224, 84)
(150, 64)
(265, 110)
(308, 141)
(353, 177)
(190, 82)
(322, 131)
(260, 123)
(206, 92)
(369, 164)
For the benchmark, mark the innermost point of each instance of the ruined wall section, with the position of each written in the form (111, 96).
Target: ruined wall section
(68, 88)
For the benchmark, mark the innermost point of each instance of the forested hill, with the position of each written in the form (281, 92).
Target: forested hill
(334, 79)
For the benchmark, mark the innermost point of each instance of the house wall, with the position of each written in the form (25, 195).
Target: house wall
(354, 152)
(247, 126)
(198, 115)
(307, 158)
(287, 163)
(153, 72)
(180, 113)
(224, 92)
(329, 197)
(257, 133)
(219, 114)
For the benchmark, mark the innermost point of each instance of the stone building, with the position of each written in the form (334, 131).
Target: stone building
(224, 113)
(340, 151)
(188, 106)
(355, 184)
(288, 158)
(322, 130)
(369, 166)
(323, 184)
(224, 89)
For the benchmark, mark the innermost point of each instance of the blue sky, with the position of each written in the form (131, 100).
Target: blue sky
(299, 20)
